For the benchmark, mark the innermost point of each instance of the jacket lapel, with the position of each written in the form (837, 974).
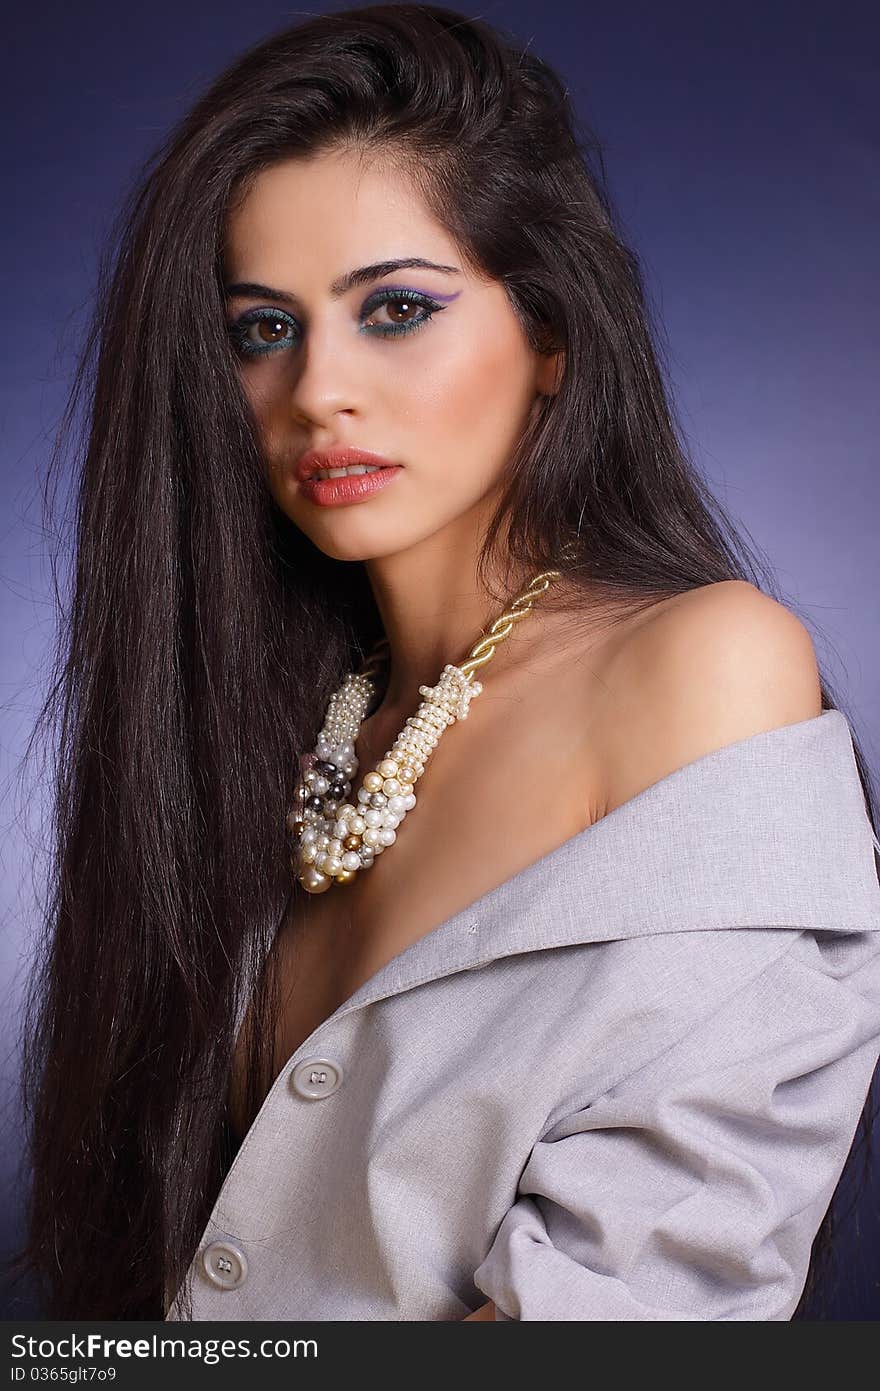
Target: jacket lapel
(771, 831)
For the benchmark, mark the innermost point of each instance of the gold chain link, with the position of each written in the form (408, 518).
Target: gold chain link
(484, 649)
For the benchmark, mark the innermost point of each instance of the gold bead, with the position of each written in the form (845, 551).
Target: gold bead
(345, 876)
(352, 842)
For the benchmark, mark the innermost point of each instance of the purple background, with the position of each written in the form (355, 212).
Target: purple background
(741, 145)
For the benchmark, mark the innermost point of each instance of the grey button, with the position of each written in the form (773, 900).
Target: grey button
(315, 1078)
(225, 1264)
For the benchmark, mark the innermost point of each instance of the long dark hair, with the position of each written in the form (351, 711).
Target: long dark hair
(204, 633)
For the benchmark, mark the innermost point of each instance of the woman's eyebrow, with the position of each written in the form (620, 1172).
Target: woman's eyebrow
(346, 282)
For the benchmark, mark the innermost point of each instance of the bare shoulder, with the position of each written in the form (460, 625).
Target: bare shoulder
(717, 664)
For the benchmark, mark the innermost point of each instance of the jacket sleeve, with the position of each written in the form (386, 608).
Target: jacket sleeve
(693, 1189)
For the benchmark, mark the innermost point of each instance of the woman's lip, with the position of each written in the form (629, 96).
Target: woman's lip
(353, 487)
(315, 460)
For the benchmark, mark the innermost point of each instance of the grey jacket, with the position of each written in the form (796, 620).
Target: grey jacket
(621, 1085)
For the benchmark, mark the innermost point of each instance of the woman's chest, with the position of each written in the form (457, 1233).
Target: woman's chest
(490, 804)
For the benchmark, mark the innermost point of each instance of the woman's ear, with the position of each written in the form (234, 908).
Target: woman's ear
(549, 376)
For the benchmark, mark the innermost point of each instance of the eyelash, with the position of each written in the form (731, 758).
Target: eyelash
(241, 344)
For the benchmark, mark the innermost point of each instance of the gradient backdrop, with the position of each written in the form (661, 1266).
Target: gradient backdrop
(743, 152)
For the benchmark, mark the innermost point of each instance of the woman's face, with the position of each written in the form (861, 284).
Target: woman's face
(427, 367)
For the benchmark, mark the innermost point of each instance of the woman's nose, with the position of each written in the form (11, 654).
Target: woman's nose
(328, 377)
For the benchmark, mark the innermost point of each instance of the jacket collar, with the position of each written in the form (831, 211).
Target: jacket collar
(770, 831)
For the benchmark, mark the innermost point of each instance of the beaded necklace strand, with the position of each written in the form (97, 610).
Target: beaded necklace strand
(334, 838)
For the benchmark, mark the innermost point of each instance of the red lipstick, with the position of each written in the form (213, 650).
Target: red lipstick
(331, 492)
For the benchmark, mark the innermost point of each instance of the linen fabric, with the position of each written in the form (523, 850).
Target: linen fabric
(621, 1085)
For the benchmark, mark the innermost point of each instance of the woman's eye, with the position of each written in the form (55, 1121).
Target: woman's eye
(405, 309)
(390, 312)
(262, 331)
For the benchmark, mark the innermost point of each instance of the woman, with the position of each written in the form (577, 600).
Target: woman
(378, 232)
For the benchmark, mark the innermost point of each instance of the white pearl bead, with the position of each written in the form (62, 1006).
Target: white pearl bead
(386, 795)
(315, 882)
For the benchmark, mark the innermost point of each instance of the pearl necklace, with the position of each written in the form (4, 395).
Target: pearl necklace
(332, 837)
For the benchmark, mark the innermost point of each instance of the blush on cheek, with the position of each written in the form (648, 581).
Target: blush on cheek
(487, 404)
